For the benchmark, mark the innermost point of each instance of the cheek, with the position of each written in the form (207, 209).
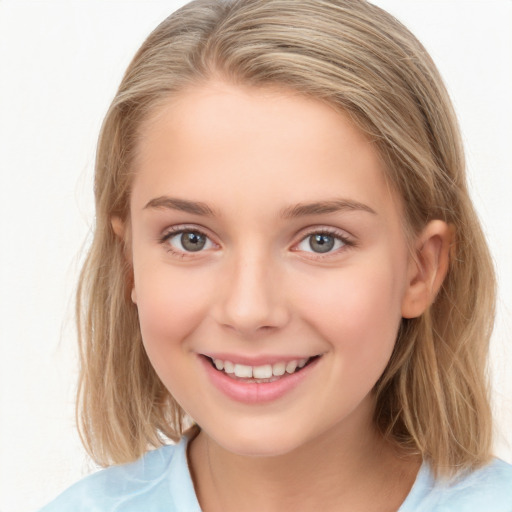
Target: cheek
(171, 304)
(358, 311)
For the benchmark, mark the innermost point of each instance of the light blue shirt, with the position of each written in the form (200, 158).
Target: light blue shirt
(161, 482)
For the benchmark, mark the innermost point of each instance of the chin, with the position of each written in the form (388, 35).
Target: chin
(258, 441)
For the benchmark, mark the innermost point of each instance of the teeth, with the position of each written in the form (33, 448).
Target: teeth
(302, 363)
(291, 366)
(262, 372)
(241, 370)
(265, 371)
(278, 369)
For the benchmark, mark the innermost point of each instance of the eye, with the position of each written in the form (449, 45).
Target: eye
(321, 243)
(188, 241)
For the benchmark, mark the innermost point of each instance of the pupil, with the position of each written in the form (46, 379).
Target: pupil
(193, 241)
(321, 243)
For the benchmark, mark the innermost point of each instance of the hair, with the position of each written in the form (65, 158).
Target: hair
(433, 397)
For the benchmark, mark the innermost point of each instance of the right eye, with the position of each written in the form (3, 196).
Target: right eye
(186, 241)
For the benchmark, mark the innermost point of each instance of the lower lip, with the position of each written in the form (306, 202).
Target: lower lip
(255, 392)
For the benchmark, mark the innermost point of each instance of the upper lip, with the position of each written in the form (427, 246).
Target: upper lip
(256, 360)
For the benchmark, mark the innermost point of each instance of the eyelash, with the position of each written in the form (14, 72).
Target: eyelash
(334, 233)
(179, 230)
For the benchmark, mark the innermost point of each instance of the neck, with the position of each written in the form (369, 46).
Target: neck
(344, 468)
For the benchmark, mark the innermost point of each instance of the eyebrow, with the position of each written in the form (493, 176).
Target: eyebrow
(184, 205)
(298, 210)
(323, 207)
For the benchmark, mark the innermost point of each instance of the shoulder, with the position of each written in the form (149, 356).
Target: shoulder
(158, 481)
(487, 489)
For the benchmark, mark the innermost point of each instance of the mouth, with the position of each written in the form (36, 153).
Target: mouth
(261, 374)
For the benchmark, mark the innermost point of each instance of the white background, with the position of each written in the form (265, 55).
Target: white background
(60, 63)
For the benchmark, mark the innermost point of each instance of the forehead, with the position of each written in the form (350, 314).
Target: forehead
(255, 140)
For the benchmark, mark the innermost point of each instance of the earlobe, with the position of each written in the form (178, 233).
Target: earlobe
(428, 267)
(118, 226)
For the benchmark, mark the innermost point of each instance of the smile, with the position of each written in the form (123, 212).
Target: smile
(259, 383)
(262, 372)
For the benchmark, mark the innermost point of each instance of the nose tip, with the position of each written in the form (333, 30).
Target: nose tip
(252, 302)
(248, 319)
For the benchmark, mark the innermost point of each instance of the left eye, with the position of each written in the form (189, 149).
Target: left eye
(321, 243)
(189, 241)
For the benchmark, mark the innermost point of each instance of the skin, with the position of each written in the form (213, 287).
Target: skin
(258, 289)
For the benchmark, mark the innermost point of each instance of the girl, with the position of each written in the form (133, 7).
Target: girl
(287, 276)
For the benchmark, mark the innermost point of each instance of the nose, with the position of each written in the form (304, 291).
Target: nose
(252, 298)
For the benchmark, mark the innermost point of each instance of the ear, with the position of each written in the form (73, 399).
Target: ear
(120, 230)
(118, 226)
(428, 266)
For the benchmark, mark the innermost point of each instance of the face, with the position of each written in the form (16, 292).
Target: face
(270, 264)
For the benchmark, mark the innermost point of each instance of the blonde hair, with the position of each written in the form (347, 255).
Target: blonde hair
(433, 396)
